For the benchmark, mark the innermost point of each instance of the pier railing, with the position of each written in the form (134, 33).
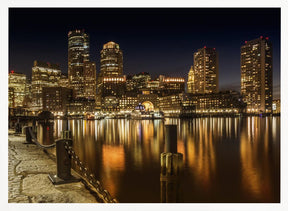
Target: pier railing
(65, 155)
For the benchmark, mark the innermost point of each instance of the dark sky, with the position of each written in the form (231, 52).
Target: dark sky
(158, 41)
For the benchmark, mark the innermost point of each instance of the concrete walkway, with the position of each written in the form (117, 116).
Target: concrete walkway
(28, 169)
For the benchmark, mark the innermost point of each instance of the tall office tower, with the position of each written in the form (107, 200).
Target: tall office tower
(89, 80)
(111, 60)
(78, 54)
(43, 75)
(256, 75)
(17, 89)
(190, 82)
(206, 71)
(111, 65)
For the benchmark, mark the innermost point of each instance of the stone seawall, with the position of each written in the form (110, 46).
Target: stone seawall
(28, 169)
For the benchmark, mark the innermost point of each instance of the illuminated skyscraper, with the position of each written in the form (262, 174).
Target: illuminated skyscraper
(17, 89)
(43, 75)
(111, 69)
(256, 75)
(190, 82)
(89, 80)
(78, 53)
(111, 60)
(205, 71)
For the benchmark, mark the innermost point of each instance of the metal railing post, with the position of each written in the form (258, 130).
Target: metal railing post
(63, 161)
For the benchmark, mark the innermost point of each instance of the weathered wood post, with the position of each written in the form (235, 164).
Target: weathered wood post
(171, 167)
(63, 161)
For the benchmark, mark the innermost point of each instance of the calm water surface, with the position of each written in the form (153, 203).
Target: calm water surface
(225, 159)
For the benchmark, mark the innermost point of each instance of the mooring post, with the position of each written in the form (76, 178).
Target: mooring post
(171, 167)
(34, 129)
(28, 134)
(63, 161)
(18, 126)
(171, 138)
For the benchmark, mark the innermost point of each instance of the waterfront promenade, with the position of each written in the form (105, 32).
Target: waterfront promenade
(28, 169)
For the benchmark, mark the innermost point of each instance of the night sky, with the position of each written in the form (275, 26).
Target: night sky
(158, 41)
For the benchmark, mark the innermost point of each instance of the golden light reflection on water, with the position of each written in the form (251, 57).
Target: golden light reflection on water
(113, 159)
(256, 153)
(116, 150)
(200, 153)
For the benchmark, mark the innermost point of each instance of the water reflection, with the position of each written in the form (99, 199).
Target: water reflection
(260, 160)
(225, 159)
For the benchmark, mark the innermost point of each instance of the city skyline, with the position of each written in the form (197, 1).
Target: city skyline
(171, 55)
(186, 100)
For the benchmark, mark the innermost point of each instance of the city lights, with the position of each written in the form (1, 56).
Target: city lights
(144, 105)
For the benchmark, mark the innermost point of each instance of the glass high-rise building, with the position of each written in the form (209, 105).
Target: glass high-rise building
(78, 54)
(205, 71)
(111, 60)
(256, 75)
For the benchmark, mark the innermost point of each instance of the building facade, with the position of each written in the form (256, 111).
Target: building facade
(113, 86)
(44, 74)
(90, 80)
(205, 71)
(78, 54)
(56, 99)
(276, 106)
(190, 81)
(110, 81)
(227, 102)
(17, 89)
(128, 103)
(138, 82)
(170, 105)
(111, 60)
(171, 85)
(63, 81)
(186, 104)
(256, 75)
(80, 107)
(11, 97)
